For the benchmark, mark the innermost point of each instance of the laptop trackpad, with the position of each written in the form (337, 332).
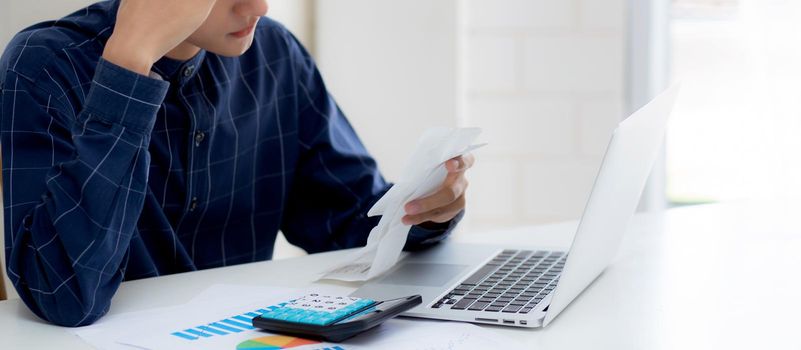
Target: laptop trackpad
(423, 274)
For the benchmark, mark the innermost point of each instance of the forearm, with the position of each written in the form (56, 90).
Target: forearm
(69, 226)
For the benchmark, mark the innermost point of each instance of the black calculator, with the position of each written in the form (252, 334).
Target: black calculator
(331, 318)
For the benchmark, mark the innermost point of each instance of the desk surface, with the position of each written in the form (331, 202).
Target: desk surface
(715, 276)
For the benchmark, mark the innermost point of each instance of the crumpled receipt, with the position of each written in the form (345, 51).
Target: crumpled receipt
(424, 173)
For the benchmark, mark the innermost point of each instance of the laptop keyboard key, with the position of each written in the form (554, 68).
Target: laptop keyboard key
(479, 275)
(462, 304)
(512, 308)
(478, 306)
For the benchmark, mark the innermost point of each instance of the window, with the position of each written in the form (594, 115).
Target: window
(736, 131)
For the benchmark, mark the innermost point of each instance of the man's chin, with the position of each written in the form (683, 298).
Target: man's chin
(230, 50)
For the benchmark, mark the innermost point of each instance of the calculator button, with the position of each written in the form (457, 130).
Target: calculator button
(294, 317)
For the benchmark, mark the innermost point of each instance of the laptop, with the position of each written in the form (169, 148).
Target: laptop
(529, 287)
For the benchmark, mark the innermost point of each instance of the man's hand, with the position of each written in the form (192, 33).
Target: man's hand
(147, 29)
(448, 201)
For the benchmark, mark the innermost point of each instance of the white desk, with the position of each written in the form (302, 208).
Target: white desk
(714, 277)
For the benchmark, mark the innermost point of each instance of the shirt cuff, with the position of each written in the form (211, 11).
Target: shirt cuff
(420, 238)
(120, 96)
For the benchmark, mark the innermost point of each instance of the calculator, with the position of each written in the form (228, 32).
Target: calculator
(331, 318)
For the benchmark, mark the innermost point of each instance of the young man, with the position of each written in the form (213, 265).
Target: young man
(149, 137)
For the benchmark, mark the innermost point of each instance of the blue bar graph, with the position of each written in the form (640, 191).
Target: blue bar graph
(238, 324)
(212, 330)
(184, 335)
(197, 332)
(227, 328)
(243, 318)
(233, 324)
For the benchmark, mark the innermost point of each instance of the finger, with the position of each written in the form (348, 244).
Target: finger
(460, 163)
(438, 215)
(451, 190)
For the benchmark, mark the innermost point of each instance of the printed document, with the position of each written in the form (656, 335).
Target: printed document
(424, 173)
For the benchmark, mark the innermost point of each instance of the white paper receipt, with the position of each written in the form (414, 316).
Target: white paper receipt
(424, 173)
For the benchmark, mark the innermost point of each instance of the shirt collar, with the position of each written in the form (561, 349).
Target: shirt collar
(177, 71)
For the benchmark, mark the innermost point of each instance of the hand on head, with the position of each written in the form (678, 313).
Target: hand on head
(146, 30)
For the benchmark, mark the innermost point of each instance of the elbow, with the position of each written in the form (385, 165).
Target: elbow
(76, 320)
(64, 309)
(69, 315)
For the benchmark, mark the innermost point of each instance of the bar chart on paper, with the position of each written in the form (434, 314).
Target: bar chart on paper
(233, 333)
(214, 324)
(241, 326)
(223, 327)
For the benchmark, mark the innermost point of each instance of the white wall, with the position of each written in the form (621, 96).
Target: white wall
(545, 79)
(18, 14)
(298, 16)
(393, 68)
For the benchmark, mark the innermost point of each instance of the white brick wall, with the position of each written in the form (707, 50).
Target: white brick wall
(499, 52)
(546, 82)
(514, 14)
(597, 15)
(597, 117)
(521, 126)
(556, 189)
(573, 62)
(393, 68)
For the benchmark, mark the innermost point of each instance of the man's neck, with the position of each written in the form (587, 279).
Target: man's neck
(184, 51)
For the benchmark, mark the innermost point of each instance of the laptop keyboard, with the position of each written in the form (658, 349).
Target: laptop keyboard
(515, 281)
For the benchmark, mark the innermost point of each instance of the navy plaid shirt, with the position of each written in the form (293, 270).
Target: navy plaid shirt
(112, 176)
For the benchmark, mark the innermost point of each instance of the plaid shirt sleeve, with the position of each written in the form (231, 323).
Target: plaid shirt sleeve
(68, 236)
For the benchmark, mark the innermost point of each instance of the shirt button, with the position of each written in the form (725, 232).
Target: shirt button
(188, 71)
(199, 137)
(193, 205)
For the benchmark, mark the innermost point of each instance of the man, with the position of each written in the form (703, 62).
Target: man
(148, 137)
